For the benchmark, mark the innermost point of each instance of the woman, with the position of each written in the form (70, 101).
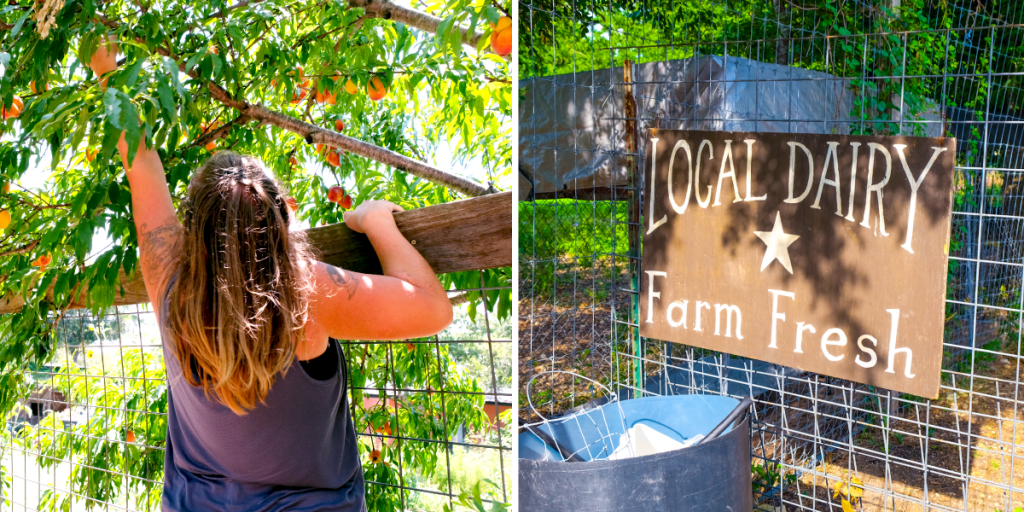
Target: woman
(257, 412)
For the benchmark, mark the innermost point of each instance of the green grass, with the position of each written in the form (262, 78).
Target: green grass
(570, 228)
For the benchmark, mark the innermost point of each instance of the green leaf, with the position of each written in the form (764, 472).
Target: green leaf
(133, 74)
(492, 14)
(17, 25)
(112, 108)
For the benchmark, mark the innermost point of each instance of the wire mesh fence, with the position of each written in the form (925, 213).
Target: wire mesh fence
(431, 415)
(858, 67)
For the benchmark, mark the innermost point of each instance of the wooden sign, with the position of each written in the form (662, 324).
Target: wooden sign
(826, 253)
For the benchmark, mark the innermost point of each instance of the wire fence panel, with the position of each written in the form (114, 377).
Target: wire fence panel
(920, 67)
(432, 415)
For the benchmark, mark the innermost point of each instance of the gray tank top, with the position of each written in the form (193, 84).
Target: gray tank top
(295, 452)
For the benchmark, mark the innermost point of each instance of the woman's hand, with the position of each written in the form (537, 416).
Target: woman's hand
(105, 58)
(406, 302)
(368, 215)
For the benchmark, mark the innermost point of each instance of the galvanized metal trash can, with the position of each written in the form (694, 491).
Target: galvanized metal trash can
(562, 464)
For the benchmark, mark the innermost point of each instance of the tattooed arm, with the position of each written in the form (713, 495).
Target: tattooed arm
(406, 302)
(156, 222)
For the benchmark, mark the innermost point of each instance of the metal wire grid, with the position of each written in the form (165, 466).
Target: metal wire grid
(133, 329)
(810, 431)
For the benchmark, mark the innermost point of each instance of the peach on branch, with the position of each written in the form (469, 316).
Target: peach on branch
(335, 193)
(42, 261)
(346, 202)
(375, 89)
(16, 107)
(298, 97)
(334, 158)
(503, 36)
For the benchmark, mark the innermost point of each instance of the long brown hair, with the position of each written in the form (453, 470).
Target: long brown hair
(241, 300)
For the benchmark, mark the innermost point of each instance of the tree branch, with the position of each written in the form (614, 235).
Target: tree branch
(224, 12)
(314, 134)
(220, 132)
(20, 250)
(388, 10)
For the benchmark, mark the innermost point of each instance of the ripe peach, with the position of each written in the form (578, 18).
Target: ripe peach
(42, 261)
(375, 89)
(351, 87)
(212, 145)
(346, 202)
(293, 205)
(32, 87)
(502, 36)
(90, 154)
(293, 162)
(299, 97)
(129, 436)
(339, 125)
(16, 107)
(214, 50)
(5, 219)
(410, 346)
(334, 158)
(7, 187)
(210, 127)
(335, 193)
(375, 457)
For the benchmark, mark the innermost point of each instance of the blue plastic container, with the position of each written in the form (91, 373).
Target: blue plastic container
(710, 476)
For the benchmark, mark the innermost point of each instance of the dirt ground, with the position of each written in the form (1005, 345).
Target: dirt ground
(563, 338)
(973, 444)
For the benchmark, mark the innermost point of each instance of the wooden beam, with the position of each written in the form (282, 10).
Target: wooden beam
(465, 235)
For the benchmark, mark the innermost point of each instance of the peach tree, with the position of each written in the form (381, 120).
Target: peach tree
(372, 96)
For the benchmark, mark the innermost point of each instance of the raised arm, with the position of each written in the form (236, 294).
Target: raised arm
(156, 222)
(406, 302)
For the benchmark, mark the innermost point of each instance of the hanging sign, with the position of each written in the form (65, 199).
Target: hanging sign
(826, 253)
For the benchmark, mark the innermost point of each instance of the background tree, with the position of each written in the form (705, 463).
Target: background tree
(359, 94)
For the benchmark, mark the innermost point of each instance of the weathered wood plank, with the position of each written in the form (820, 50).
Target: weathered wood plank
(464, 235)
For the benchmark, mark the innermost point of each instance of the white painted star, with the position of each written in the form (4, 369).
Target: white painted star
(778, 243)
